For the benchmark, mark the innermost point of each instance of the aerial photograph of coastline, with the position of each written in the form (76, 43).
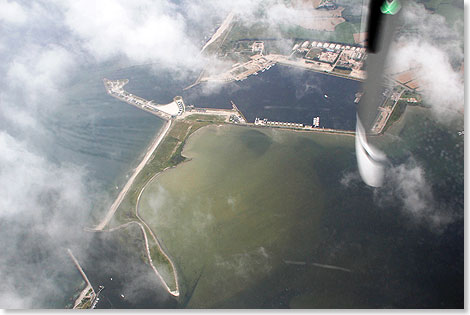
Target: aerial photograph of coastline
(249, 154)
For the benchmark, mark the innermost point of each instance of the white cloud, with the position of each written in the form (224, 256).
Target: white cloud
(407, 183)
(41, 208)
(39, 73)
(442, 86)
(142, 31)
(434, 49)
(12, 13)
(406, 186)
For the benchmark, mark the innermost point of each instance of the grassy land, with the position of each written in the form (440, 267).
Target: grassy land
(343, 33)
(397, 113)
(205, 118)
(168, 154)
(262, 31)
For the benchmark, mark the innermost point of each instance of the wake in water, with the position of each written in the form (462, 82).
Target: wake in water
(303, 263)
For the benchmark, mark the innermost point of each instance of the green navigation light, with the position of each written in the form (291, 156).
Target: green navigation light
(390, 7)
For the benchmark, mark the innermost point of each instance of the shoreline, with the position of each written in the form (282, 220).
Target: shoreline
(175, 292)
(220, 30)
(162, 133)
(292, 64)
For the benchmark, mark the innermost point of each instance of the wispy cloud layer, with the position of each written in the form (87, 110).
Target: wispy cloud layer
(41, 207)
(143, 31)
(407, 187)
(408, 183)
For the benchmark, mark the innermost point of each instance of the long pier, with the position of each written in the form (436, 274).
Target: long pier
(164, 111)
(84, 292)
(116, 90)
(75, 261)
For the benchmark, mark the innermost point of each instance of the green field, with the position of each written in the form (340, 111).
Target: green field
(343, 33)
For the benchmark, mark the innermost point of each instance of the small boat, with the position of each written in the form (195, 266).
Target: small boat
(326, 96)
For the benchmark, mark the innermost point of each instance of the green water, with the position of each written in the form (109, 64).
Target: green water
(252, 201)
(234, 211)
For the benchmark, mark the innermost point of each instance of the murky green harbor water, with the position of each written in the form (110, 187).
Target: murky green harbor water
(260, 218)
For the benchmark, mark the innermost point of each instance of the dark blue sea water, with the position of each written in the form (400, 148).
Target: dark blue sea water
(100, 133)
(285, 94)
(280, 94)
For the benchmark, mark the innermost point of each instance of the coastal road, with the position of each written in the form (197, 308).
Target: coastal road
(129, 183)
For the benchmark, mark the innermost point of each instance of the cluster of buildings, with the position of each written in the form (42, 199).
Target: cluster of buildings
(306, 45)
(257, 47)
(266, 122)
(340, 55)
(351, 59)
(316, 122)
(179, 102)
(236, 119)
